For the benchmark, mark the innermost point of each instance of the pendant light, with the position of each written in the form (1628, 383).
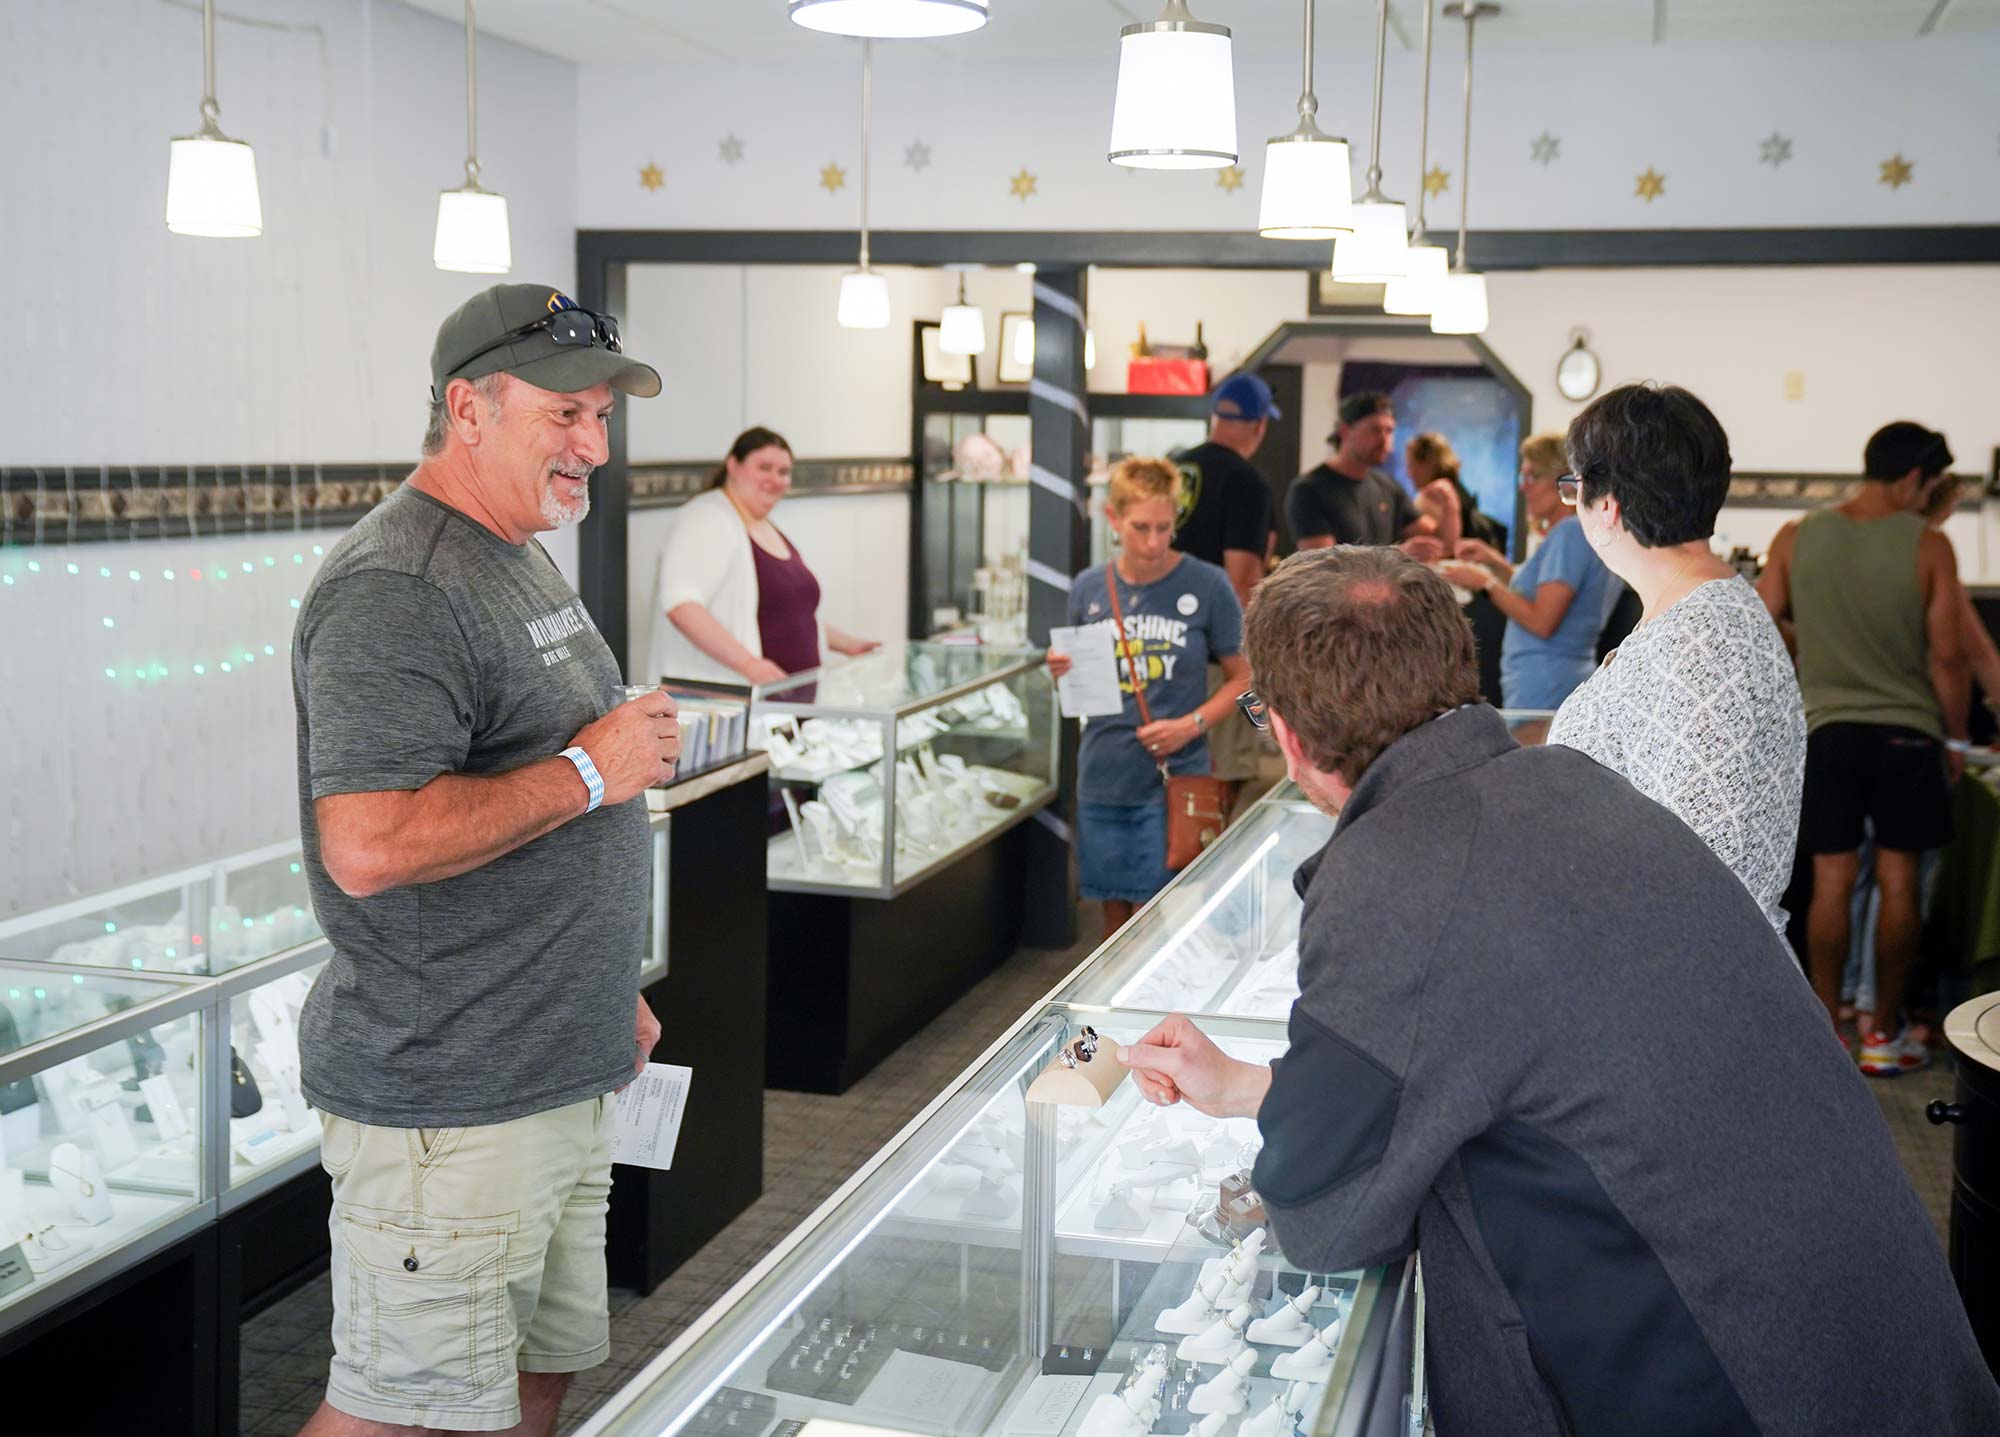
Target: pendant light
(212, 179)
(1424, 264)
(864, 294)
(962, 328)
(1460, 307)
(1176, 102)
(1306, 193)
(472, 233)
(889, 19)
(1374, 253)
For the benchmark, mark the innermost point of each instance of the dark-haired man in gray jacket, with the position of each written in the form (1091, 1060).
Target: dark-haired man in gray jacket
(1574, 1069)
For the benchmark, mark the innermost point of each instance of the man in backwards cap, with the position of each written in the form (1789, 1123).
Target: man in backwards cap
(470, 798)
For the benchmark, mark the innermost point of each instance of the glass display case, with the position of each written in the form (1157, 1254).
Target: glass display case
(104, 1101)
(1015, 1267)
(886, 768)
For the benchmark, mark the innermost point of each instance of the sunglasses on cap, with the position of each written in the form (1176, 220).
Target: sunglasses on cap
(573, 326)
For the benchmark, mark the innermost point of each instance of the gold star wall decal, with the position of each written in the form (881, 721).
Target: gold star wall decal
(651, 178)
(1651, 186)
(1230, 177)
(832, 178)
(1021, 185)
(1896, 172)
(1437, 181)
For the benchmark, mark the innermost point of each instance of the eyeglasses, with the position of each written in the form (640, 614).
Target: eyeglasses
(1254, 709)
(565, 326)
(1569, 489)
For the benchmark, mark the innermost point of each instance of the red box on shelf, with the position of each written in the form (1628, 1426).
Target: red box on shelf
(1154, 375)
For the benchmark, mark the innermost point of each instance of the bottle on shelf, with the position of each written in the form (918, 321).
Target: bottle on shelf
(1199, 349)
(1142, 347)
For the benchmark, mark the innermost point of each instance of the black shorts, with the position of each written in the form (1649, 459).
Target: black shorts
(1893, 777)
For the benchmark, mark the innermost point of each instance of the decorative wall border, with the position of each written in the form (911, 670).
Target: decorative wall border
(1809, 491)
(121, 503)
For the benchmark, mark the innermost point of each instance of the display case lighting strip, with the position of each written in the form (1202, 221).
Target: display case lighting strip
(1201, 916)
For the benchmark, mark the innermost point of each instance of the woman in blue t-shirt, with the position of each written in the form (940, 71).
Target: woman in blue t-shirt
(1556, 602)
(1180, 612)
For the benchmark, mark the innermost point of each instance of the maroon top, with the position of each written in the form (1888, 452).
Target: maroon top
(787, 608)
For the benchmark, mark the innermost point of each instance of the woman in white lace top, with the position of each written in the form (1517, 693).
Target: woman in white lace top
(1699, 708)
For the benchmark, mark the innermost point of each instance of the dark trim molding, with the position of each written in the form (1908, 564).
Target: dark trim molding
(112, 503)
(667, 485)
(1227, 249)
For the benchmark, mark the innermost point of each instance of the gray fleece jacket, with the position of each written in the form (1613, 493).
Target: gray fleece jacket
(1546, 1038)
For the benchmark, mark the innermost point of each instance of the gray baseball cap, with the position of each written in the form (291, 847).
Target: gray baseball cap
(538, 334)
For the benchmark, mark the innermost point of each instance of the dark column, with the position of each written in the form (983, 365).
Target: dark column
(1058, 547)
(601, 538)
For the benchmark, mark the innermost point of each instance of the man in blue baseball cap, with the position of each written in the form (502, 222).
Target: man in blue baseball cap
(1225, 518)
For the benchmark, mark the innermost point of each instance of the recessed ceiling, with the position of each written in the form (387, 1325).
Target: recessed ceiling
(721, 31)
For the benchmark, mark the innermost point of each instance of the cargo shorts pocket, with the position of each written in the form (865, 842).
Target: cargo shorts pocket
(427, 1308)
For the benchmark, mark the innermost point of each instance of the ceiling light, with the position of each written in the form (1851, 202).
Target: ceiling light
(889, 19)
(1460, 306)
(1374, 253)
(962, 328)
(1176, 102)
(1306, 192)
(212, 179)
(472, 235)
(864, 294)
(1424, 264)
(1024, 343)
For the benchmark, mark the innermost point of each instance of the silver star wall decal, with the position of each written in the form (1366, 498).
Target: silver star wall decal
(1775, 151)
(1543, 148)
(917, 155)
(731, 149)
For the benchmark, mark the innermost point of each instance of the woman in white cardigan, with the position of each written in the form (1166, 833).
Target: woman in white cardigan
(734, 601)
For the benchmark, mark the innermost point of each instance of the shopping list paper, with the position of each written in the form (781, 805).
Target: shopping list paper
(649, 1117)
(1090, 688)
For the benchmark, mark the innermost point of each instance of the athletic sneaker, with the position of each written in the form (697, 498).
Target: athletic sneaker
(1885, 1057)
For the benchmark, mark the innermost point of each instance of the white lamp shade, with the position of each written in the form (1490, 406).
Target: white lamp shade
(1024, 343)
(1376, 252)
(963, 330)
(472, 232)
(1090, 349)
(1176, 104)
(890, 19)
(1415, 290)
(212, 188)
(864, 300)
(1305, 189)
(1461, 305)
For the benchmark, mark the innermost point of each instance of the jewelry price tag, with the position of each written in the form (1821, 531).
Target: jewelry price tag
(649, 1117)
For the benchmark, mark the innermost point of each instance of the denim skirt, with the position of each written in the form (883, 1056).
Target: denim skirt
(1121, 851)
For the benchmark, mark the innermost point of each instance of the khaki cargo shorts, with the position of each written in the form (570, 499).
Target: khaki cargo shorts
(1233, 744)
(463, 1257)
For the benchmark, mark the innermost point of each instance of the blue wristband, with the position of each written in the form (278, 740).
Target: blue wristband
(587, 771)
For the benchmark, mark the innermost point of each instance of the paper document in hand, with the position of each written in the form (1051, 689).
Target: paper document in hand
(1090, 688)
(649, 1117)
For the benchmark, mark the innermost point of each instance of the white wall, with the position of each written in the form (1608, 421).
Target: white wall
(130, 345)
(1695, 113)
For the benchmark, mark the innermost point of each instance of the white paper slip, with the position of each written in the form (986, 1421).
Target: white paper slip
(1090, 688)
(649, 1117)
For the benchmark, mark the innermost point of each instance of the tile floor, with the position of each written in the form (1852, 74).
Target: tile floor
(811, 1144)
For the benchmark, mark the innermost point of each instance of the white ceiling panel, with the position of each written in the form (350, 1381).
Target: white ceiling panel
(710, 31)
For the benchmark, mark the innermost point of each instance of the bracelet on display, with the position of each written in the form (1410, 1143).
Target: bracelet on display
(587, 771)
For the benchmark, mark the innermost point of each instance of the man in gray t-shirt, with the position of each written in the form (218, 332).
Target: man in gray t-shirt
(471, 786)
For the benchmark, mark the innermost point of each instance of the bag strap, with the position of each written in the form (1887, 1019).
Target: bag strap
(1131, 663)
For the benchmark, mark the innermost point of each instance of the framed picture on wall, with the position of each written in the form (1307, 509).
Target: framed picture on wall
(1327, 295)
(1017, 348)
(953, 371)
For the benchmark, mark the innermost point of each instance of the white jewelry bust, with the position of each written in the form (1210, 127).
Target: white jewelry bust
(79, 1182)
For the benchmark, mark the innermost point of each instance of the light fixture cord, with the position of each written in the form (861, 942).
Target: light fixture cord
(1465, 155)
(1375, 139)
(867, 133)
(1308, 101)
(471, 93)
(209, 109)
(1424, 123)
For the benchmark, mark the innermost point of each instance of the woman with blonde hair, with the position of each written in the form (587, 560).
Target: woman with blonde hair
(1175, 613)
(1429, 457)
(1556, 602)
